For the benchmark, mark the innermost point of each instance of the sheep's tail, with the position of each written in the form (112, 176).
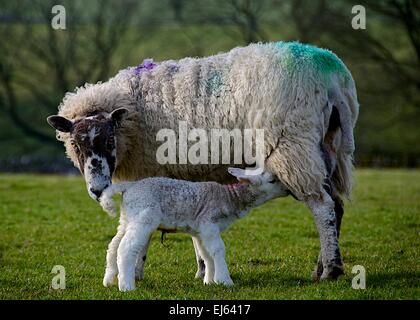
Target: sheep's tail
(106, 201)
(340, 140)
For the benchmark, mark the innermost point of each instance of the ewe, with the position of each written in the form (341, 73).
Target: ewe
(202, 209)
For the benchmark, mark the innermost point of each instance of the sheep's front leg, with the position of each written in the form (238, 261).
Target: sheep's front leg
(111, 270)
(134, 241)
(326, 222)
(201, 267)
(214, 246)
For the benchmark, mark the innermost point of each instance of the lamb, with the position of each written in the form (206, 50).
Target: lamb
(303, 97)
(202, 209)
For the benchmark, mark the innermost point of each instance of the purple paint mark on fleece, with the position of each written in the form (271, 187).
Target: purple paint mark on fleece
(147, 64)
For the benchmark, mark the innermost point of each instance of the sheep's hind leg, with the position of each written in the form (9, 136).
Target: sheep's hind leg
(326, 222)
(111, 270)
(339, 212)
(201, 267)
(288, 163)
(214, 246)
(134, 241)
(330, 159)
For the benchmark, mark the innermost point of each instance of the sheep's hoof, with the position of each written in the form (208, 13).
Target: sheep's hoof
(109, 280)
(316, 274)
(332, 272)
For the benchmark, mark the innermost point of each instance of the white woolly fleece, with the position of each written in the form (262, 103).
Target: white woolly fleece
(287, 89)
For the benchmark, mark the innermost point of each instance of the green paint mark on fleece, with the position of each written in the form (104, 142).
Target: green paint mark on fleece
(298, 55)
(214, 82)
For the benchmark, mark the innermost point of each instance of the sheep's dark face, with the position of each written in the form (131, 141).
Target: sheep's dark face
(93, 140)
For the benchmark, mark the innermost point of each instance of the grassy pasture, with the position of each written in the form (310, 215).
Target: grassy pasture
(50, 220)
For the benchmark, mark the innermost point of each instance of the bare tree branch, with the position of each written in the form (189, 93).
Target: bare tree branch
(47, 63)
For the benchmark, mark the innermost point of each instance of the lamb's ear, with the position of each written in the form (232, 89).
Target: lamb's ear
(60, 123)
(240, 175)
(117, 115)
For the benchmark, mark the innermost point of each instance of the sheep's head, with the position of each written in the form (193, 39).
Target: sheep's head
(93, 140)
(264, 184)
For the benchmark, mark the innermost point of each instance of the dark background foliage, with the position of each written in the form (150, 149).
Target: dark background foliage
(38, 64)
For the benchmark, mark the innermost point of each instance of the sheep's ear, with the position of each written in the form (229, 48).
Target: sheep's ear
(60, 123)
(118, 114)
(240, 175)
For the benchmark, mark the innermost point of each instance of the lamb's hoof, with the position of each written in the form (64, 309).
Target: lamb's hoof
(226, 282)
(124, 286)
(332, 272)
(139, 276)
(109, 280)
(207, 280)
(199, 274)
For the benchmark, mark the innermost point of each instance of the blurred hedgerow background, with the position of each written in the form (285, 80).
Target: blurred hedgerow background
(38, 64)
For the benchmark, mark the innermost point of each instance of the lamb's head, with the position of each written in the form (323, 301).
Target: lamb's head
(93, 140)
(264, 185)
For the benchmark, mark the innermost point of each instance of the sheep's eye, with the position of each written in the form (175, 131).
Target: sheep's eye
(272, 181)
(110, 143)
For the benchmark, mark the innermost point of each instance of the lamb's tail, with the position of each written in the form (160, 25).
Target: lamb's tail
(339, 139)
(106, 200)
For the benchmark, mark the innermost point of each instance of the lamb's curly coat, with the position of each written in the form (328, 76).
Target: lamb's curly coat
(288, 89)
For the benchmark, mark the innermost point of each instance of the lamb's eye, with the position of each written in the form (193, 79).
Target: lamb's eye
(272, 181)
(75, 147)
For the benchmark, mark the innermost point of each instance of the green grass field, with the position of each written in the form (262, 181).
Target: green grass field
(50, 220)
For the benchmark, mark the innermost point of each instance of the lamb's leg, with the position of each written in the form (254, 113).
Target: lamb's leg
(326, 222)
(134, 241)
(111, 270)
(141, 260)
(214, 246)
(201, 267)
(208, 261)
